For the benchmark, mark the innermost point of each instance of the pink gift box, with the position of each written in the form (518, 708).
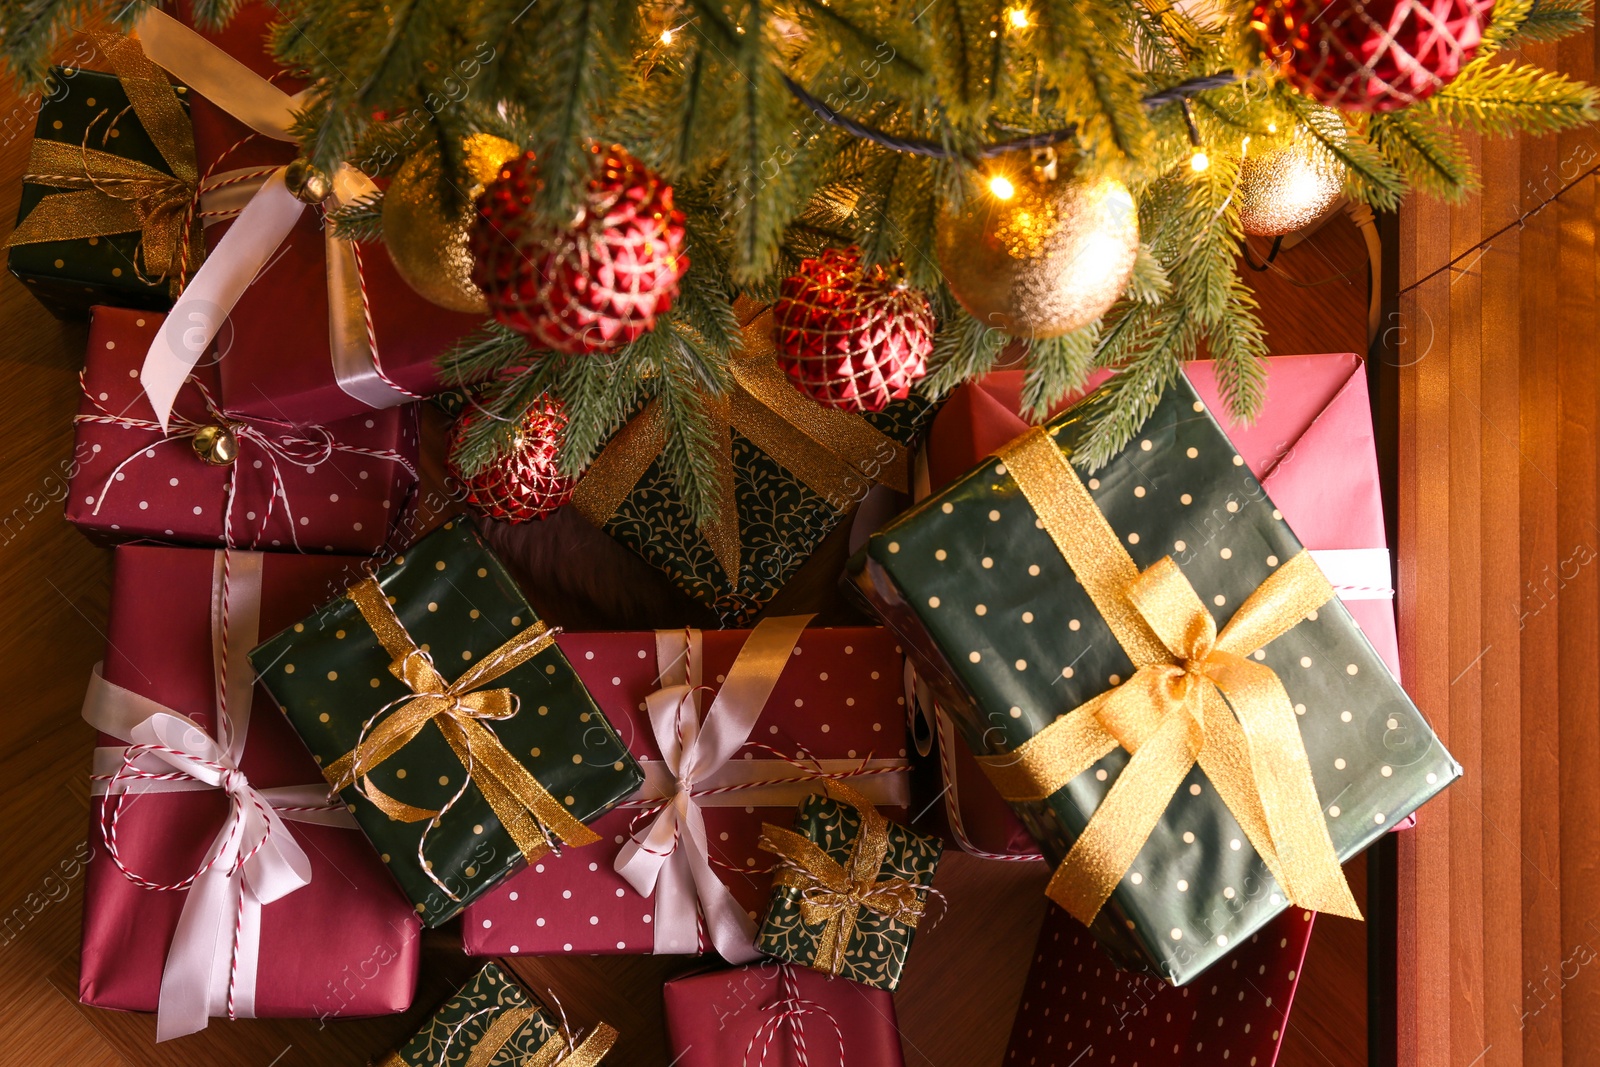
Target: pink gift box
(839, 698)
(1078, 1010)
(1313, 450)
(336, 488)
(345, 943)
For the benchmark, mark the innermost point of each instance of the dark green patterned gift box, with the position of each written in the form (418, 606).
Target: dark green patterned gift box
(494, 1022)
(438, 665)
(849, 889)
(794, 470)
(1009, 639)
(110, 179)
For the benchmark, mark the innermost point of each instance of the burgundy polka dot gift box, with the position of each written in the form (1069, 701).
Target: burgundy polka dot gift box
(1159, 677)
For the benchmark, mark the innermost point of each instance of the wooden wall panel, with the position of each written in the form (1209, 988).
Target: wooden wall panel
(1499, 522)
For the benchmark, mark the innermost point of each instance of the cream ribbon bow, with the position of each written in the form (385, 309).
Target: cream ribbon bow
(260, 228)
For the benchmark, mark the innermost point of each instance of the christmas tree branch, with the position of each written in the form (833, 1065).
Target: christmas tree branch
(1501, 98)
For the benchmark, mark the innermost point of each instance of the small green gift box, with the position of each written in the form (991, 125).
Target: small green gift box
(849, 889)
(494, 1022)
(106, 210)
(441, 710)
(792, 470)
(1156, 674)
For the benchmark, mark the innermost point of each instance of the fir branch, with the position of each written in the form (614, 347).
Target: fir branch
(963, 348)
(503, 403)
(1149, 283)
(1127, 400)
(1057, 366)
(968, 37)
(359, 220)
(1369, 177)
(1500, 98)
(1429, 155)
(31, 31)
(491, 349)
(686, 383)
(599, 392)
(1551, 20)
(1083, 57)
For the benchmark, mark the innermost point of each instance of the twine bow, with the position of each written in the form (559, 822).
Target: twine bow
(837, 454)
(261, 226)
(789, 1012)
(279, 443)
(832, 895)
(108, 193)
(530, 814)
(1194, 698)
(254, 860)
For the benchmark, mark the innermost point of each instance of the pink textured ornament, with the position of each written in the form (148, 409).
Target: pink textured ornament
(523, 483)
(1372, 55)
(849, 337)
(590, 287)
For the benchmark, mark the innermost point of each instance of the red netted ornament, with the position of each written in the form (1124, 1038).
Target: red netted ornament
(590, 287)
(1372, 55)
(851, 338)
(522, 484)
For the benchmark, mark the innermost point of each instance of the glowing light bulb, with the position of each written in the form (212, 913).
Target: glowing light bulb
(666, 36)
(1272, 127)
(1001, 187)
(1199, 161)
(1018, 17)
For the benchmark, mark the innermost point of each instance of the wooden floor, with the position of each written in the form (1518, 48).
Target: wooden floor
(965, 976)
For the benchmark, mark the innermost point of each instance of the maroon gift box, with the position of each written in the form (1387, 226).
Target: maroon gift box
(1313, 449)
(1079, 1010)
(277, 359)
(727, 1018)
(336, 488)
(840, 697)
(344, 945)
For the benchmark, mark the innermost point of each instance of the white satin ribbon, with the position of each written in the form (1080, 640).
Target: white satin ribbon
(260, 228)
(671, 857)
(253, 860)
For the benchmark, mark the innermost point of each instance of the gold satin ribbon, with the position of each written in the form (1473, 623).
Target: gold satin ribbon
(1194, 698)
(833, 894)
(530, 814)
(109, 194)
(588, 1052)
(837, 454)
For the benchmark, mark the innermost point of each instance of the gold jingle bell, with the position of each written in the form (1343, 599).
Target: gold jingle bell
(309, 184)
(217, 445)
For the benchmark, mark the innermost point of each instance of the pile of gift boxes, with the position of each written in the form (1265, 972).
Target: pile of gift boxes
(317, 728)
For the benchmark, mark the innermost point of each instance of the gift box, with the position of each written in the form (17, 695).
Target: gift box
(359, 338)
(773, 1013)
(1312, 450)
(344, 487)
(849, 891)
(110, 177)
(437, 703)
(1170, 540)
(311, 926)
(796, 469)
(1078, 1008)
(494, 1020)
(835, 706)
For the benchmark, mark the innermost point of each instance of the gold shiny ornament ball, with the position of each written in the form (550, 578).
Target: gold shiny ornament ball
(427, 242)
(216, 445)
(1038, 251)
(1287, 189)
(307, 183)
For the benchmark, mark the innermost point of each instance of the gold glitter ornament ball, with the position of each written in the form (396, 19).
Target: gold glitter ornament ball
(1283, 190)
(427, 243)
(1037, 251)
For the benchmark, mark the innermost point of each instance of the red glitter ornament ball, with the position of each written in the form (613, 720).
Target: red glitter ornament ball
(590, 287)
(1372, 55)
(849, 337)
(523, 483)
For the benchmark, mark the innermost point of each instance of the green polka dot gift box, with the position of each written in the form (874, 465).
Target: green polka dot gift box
(80, 240)
(432, 665)
(1159, 679)
(493, 1021)
(849, 889)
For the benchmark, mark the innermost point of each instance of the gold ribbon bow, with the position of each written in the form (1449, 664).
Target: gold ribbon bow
(833, 894)
(524, 807)
(110, 194)
(1194, 698)
(837, 454)
(588, 1052)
